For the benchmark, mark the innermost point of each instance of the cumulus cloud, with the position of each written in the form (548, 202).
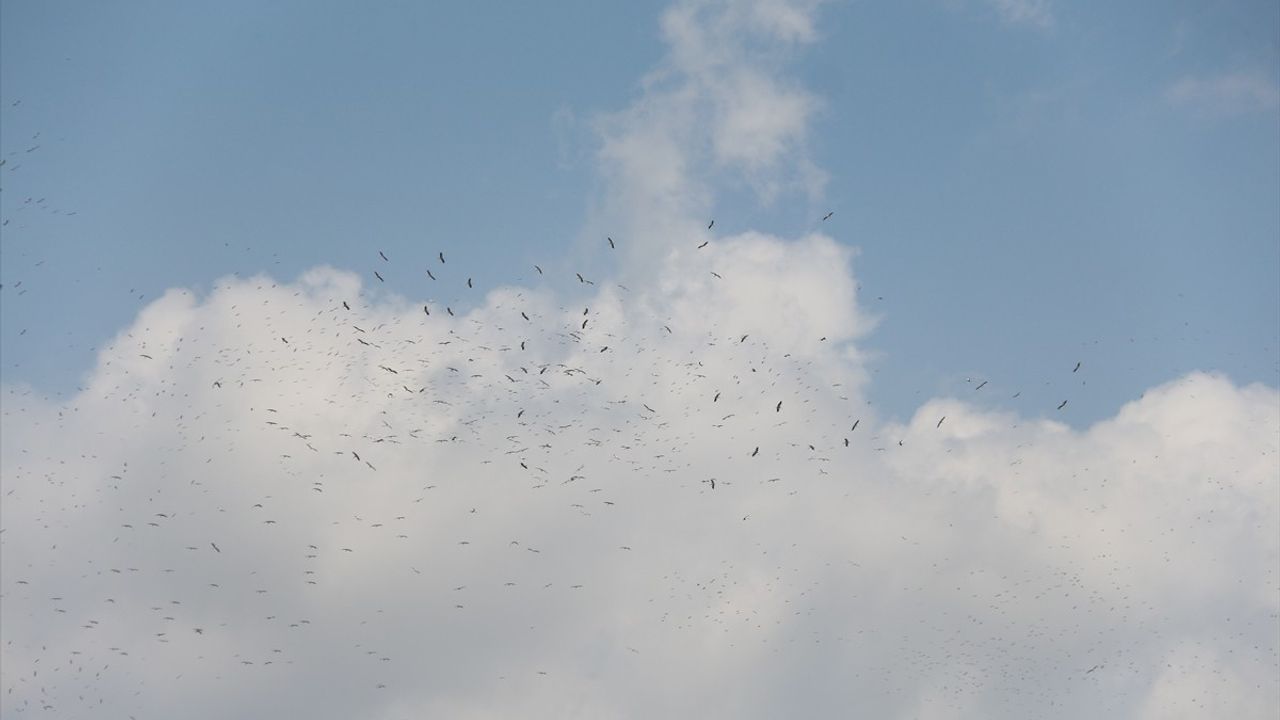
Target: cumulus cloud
(510, 512)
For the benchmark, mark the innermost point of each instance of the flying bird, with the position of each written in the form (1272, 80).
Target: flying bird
(779, 408)
(984, 382)
(1064, 404)
(611, 245)
(375, 274)
(215, 547)
(944, 417)
(468, 282)
(1077, 367)
(828, 216)
(713, 222)
(433, 277)
(441, 258)
(384, 256)
(535, 267)
(345, 305)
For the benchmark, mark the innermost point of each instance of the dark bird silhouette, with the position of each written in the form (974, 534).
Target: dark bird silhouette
(384, 257)
(828, 216)
(580, 278)
(1077, 367)
(855, 424)
(713, 222)
(535, 267)
(441, 258)
(982, 385)
(779, 408)
(468, 282)
(1064, 404)
(433, 277)
(944, 417)
(345, 305)
(704, 244)
(215, 547)
(426, 309)
(756, 451)
(375, 274)
(611, 245)
(448, 310)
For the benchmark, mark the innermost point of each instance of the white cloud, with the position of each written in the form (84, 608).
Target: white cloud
(559, 492)
(1034, 13)
(1229, 93)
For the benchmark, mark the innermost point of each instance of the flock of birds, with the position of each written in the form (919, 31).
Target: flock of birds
(443, 391)
(311, 487)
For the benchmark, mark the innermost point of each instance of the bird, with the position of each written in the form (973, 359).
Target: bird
(215, 547)
(441, 256)
(984, 382)
(828, 216)
(713, 222)
(779, 408)
(535, 267)
(944, 417)
(611, 245)
(433, 277)
(756, 451)
(580, 278)
(375, 274)
(426, 309)
(1077, 367)
(468, 282)
(1064, 404)
(704, 244)
(345, 305)
(384, 257)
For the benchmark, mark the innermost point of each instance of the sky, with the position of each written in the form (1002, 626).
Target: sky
(777, 358)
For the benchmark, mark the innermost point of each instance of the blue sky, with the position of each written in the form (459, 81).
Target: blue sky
(1026, 191)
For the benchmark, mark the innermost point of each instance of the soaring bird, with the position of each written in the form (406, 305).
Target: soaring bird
(779, 408)
(704, 244)
(982, 385)
(535, 267)
(441, 258)
(433, 277)
(1077, 367)
(828, 216)
(215, 547)
(580, 278)
(713, 222)
(756, 451)
(384, 257)
(426, 309)
(611, 245)
(944, 417)
(375, 274)
(468, 282)
(345, 305)
(1064, 404)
